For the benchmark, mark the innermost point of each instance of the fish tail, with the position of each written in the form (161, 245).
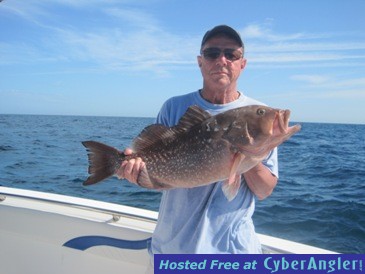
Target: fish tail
(104, 161)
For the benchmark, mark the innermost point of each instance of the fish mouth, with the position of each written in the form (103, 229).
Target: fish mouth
(280, 132)
(281, 124)
(276, 132)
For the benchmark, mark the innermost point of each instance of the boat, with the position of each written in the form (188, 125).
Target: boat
(52, 233)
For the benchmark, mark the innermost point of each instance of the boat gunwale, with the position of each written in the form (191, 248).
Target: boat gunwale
(269, 243)
(115, 210)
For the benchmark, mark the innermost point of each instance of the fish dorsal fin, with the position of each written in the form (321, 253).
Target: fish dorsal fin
(159, 134)
(193, 116)
(152, 135)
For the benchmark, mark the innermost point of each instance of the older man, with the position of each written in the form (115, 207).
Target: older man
(201, 219)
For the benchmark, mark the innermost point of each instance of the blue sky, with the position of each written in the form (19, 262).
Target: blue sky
(125, 58)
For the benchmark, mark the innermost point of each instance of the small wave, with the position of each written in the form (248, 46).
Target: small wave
(319, 199)
(78, 180)
(291, 142)
(6, 148)
(21, 165)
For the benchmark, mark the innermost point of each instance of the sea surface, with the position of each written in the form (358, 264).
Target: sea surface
(319, 200)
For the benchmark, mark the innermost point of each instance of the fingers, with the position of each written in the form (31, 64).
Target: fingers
(131, 169)
(121, 170)
(128, 151)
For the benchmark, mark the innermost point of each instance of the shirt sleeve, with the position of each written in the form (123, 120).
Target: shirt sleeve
(164, 116)
(271, 162)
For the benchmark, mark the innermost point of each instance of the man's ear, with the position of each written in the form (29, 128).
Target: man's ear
(243, 63)
(199, 58)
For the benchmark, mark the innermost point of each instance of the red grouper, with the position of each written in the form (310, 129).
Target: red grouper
(201, 149)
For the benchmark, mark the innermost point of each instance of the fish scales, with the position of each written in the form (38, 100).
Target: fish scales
(183, 161)
(200, 150)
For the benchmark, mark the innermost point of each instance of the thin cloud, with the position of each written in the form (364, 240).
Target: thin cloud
(137, 50)
(311, 79)
(135, 17)
(306, 46)
(131, 38)
(264, 32)
(330, 82)
(348, 84)
(301, 57)
(319, 86)
(310, 94)
(265, 47)
(136, 41)
(344, 94)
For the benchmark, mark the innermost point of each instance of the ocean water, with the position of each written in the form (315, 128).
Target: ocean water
(319, 200)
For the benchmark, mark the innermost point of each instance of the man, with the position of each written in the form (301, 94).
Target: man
(201, 219)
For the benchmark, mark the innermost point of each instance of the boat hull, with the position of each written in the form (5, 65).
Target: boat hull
(41, 235)
(51, 233)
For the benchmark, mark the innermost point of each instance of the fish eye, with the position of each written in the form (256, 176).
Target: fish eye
(260, 111)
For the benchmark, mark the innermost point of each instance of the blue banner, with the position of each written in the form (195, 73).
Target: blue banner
(259, 264)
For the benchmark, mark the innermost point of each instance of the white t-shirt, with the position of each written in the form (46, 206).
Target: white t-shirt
(201, 219)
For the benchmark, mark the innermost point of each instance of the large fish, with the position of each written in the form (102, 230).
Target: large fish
(200, 150)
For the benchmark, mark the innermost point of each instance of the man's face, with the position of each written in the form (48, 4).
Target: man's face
(221, 71)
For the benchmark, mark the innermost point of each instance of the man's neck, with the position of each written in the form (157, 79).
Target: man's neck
(216, 96)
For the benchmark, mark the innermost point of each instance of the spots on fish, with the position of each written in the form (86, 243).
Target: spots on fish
(187, 161)
(213, 126)
(236, 125)
(199, 149)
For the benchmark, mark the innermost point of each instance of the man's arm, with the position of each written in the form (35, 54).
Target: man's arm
(261, 181)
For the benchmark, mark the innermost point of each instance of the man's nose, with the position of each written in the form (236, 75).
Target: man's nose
(222, 60)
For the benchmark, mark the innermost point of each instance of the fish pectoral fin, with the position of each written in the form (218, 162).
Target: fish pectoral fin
(232, 184)
(230, 189)
(145, 181)
(238, 158)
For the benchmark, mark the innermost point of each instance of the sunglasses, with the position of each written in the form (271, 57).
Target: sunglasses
(214, 53)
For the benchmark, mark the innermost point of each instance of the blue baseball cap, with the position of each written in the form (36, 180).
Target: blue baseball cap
(222, 29)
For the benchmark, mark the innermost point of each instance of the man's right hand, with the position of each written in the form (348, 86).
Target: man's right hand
(130, 169)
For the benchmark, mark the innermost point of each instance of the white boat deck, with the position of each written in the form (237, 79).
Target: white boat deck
(51, 233)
